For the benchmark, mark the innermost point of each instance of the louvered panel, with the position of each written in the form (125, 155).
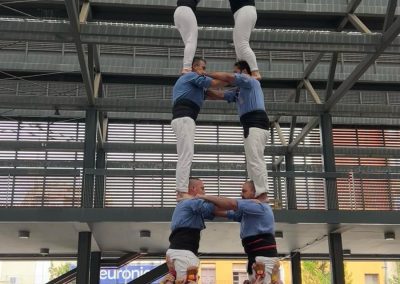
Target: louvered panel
(66, 156)
(376, 194)
(394, 98)
(28, 191)
(206, 134)
(394, 186)
(349, 197)
(310, 193)
(148, 133)
(119, 192)
(25, 155)
(6, 186)
(230, 135)
(378, 162)
(111, 156)
(62, 192)
(8, 130)
(7, 155)
(370, 138)
(121, 132)
(344, 137)
(148, 191)
(347, 161)
(62, 131)
(33, 131)
(392, 138)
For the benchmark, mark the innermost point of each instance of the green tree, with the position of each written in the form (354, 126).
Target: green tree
(395, 279)
(318, 272)
(56, 270)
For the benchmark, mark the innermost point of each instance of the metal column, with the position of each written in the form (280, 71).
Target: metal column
(89, 158)
(296, 267)
(329, 161)
(83, 265)
(95, 261)
(290, 182)
(336, 256)
(100, 179)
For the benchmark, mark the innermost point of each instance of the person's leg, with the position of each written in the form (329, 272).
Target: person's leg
(254, 146)
(184, 262)
(186, 23)
(185, 131)
(245, 20)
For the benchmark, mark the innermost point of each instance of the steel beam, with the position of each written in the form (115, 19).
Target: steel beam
(135, 34)
(64, 278)
(358, 24)
(83, 263)
(72, 9)
(312, 91)
(99, 190)
(336, 256)
(331, 76)
(368, 60)
(157, 108)
(390, 14)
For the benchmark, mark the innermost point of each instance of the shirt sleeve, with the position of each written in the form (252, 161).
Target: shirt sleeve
(202, 81)
(251, 207)
(243, 80)
(205, 208)
(234, 215)
(230, 96)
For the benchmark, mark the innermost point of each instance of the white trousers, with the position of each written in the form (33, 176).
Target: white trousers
(182, 259)
(185, 131)
(254, 146)
(186, 23)
(245, 21)
(269, 263)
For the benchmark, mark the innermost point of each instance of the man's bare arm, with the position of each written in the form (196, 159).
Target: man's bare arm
(222, 202)
(215, 94)
(216, 83)
(223, 76)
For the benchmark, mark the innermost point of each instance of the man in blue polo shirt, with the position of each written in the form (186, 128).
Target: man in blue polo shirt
(257, 231)
(186, 224)
(249, 99)
(187, 99)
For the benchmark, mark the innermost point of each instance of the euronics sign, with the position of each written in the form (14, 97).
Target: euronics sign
(125, 274)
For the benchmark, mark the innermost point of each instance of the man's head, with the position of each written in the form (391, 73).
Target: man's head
(196, 186)
(242, 67)
(199, 65)
(248, 190)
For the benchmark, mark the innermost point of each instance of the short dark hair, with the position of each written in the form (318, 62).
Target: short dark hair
(197, 60)
(243, 65)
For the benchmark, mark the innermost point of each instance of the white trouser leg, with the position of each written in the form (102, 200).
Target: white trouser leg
(186, 23)
(245, 21)
(182, 259)
(254, 146)
(185, 131)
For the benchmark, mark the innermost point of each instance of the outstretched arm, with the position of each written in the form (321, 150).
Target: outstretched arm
(223, 76)
(222, 202)
(215, 94)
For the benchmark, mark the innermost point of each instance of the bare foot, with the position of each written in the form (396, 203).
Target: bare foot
(256, 75)
(186, 70)
(182, 196)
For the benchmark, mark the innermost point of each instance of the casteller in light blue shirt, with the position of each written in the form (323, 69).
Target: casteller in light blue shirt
(190, 213)
(250, 96)
(191, 86)
(255, 218)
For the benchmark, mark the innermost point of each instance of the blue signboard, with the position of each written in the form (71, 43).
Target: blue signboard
(125, 274)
